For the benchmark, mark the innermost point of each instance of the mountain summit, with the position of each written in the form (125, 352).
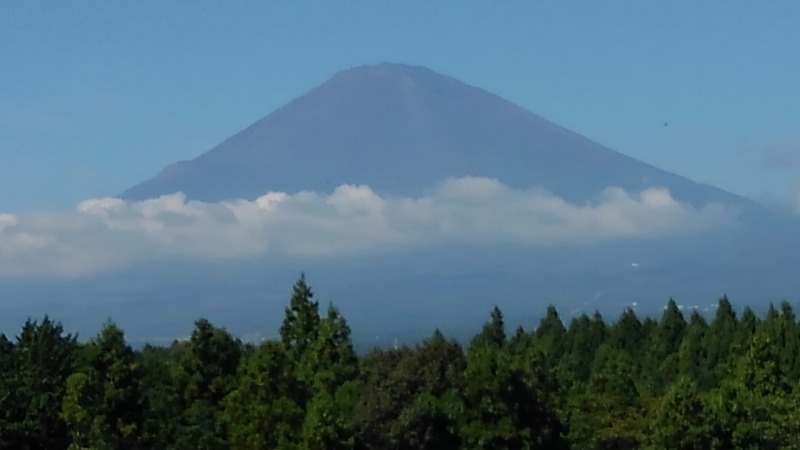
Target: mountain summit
(401, 129)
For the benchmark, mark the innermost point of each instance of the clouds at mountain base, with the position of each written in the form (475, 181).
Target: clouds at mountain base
(106, 233)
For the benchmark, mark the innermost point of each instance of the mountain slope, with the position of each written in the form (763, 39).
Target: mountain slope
(401, 129)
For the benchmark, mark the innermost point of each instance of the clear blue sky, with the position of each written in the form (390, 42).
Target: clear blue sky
(97, 95)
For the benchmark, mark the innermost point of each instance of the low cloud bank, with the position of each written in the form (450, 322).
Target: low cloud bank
(107, 233)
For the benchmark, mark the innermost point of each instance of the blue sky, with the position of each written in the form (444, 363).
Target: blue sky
(96, 96)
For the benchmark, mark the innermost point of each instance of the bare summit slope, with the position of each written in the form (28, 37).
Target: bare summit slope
(401, 129)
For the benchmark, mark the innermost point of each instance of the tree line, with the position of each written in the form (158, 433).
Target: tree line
(727, 382)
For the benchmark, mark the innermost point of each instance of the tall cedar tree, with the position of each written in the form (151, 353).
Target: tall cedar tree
(204, 376)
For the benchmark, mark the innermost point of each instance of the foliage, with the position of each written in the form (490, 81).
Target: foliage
(680, 381)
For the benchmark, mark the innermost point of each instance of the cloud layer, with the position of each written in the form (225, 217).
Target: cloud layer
(108, 232)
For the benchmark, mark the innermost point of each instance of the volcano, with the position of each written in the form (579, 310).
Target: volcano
(401, 129)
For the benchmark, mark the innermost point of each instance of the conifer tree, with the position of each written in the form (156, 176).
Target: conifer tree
(259, 412)
(301, 322)
(692, 353)
(43, 357)
(550, 338)
(720, 339)
(331, 365)
(204, 376)
(662, 360)
(104, 407)
(682, 420)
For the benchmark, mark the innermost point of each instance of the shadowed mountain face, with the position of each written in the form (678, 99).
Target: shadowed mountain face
(401, 129)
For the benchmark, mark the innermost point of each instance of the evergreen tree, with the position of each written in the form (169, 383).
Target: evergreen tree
(159, 387)
(331, 365)
(104, 407)
(432, 376)
(628, 334)
(584, 337)
(720, 339)
(259, 413)
(747, 328)
(682, 420)
(34, 387)
(301, 322)
(550, 338)
(692, 354)
(755, 406)
(501, 406)
(7, 383)
(493, 332)
(610, 414)
(204, 376)
(662, 358)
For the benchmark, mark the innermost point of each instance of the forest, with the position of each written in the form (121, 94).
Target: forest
(727, 381)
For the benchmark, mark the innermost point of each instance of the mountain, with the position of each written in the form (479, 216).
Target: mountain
(401, 129)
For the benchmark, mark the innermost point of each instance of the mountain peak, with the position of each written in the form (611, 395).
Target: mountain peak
(388, 70)
(401, 129)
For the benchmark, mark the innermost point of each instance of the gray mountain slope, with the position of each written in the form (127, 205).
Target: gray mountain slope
(402, 129)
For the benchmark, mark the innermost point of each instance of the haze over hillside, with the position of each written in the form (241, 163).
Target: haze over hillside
(401, 129)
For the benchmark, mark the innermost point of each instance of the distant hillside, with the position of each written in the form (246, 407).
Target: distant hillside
(401, 129)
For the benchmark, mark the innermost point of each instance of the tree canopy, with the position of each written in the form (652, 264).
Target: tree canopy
(729, 381)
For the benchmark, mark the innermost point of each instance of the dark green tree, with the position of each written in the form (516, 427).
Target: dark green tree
(611, 413)
(584, 337)
(550, 338)
(259, 413)
(104, 407)
(301, 322)
(661, 366)
(204, 375)
(628, 334)
(681, 420)
(755, 406)
(501, 405)
(159, 387)
(331, 365)
(720, 339)
(493, 332)
(692, 354)
(34, 387)
(410, 398)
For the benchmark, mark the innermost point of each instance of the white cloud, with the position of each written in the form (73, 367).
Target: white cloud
(107, 232)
